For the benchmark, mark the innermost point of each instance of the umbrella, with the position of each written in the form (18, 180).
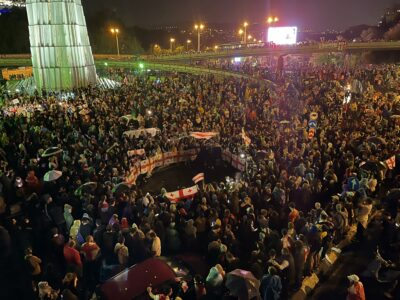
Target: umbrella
(373, 166)
(127, 118)
(261, 154)
(122, 187)
(356, 142)
(88, 187)
(242, 284)
(376, 140)
(52, 175)
(393, 194)
(51, 151)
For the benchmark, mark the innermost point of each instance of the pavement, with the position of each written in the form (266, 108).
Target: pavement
(180, 175)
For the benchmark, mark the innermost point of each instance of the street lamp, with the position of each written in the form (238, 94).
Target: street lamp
(245, 24)
(198, 28)
(116, 31)
(241, 34)
(271, 20)
(172, 40)
(187, 45)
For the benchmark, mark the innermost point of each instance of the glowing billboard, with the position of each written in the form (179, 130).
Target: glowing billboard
(282, 35)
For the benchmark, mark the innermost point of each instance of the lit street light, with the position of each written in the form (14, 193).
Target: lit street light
(241, 34)
(198, 28)
(245, 24)
(271, 20)
(172, 40)
(187, 45)
(116, 31)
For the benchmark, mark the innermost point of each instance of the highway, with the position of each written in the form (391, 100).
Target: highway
(282, 50)
(21, 59)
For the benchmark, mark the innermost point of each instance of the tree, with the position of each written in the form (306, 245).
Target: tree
(393, 33)
(370, 34)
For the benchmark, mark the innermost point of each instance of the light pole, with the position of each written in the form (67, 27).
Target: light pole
(245, 24)
(116, 31)
(241, 35)
(270, 21)
(172, 40)
(187, 45)
(198, 28)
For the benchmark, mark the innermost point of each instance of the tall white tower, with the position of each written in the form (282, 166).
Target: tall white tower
(61, 54)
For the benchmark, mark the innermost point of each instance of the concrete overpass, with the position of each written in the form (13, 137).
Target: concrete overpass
(281, 50)
(16, 60)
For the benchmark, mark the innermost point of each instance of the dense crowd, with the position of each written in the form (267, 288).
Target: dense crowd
(298, 198)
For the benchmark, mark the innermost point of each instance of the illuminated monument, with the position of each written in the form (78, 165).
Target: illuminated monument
(61, 54)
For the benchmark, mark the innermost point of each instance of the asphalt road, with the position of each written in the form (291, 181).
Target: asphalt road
(179, 176)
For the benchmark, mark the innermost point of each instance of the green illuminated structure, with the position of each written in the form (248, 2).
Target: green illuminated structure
(61, 54)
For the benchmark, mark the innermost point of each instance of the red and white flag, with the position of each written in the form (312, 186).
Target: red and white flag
(391, 162)
(182, 194)
(136, 152)
(246, 139)
(199, 177)
(203, 135)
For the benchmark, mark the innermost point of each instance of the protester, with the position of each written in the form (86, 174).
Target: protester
(356, 289)
(301, 188)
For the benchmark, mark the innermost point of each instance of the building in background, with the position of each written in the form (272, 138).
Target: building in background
(61, 53)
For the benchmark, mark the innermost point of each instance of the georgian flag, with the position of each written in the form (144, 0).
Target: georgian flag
(246, 139)
(391, 162)
(199, 177)
(182, 194)
(203, 135)
(136, 152)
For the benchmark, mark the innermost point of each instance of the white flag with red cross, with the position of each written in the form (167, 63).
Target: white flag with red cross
(391, 162)
(199, 177)
(182, 194)
(203, 135)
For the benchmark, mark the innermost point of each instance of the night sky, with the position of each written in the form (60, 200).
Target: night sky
(316, 14)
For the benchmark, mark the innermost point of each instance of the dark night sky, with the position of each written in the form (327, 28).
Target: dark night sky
(317, 14)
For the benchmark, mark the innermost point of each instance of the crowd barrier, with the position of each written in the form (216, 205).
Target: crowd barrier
(234, 160)
(159, 160)
(165, 159)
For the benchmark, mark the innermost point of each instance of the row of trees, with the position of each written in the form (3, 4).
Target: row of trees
(133, 40)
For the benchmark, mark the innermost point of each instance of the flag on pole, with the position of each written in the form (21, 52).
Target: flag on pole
(199, 177)
(246, 139)
(203, 135)
(182, 194)
(391, 162)
(136, 152)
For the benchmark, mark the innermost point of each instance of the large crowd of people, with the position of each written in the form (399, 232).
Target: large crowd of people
(298, 198)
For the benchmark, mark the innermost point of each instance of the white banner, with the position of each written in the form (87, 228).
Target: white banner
(136, 133)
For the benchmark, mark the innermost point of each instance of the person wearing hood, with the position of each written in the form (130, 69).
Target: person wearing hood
(356, 289)
(69, 219)
(271, 285)
(86, 226)
(73, 232)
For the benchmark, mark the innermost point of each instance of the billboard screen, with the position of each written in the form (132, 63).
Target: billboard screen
(282, 35)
